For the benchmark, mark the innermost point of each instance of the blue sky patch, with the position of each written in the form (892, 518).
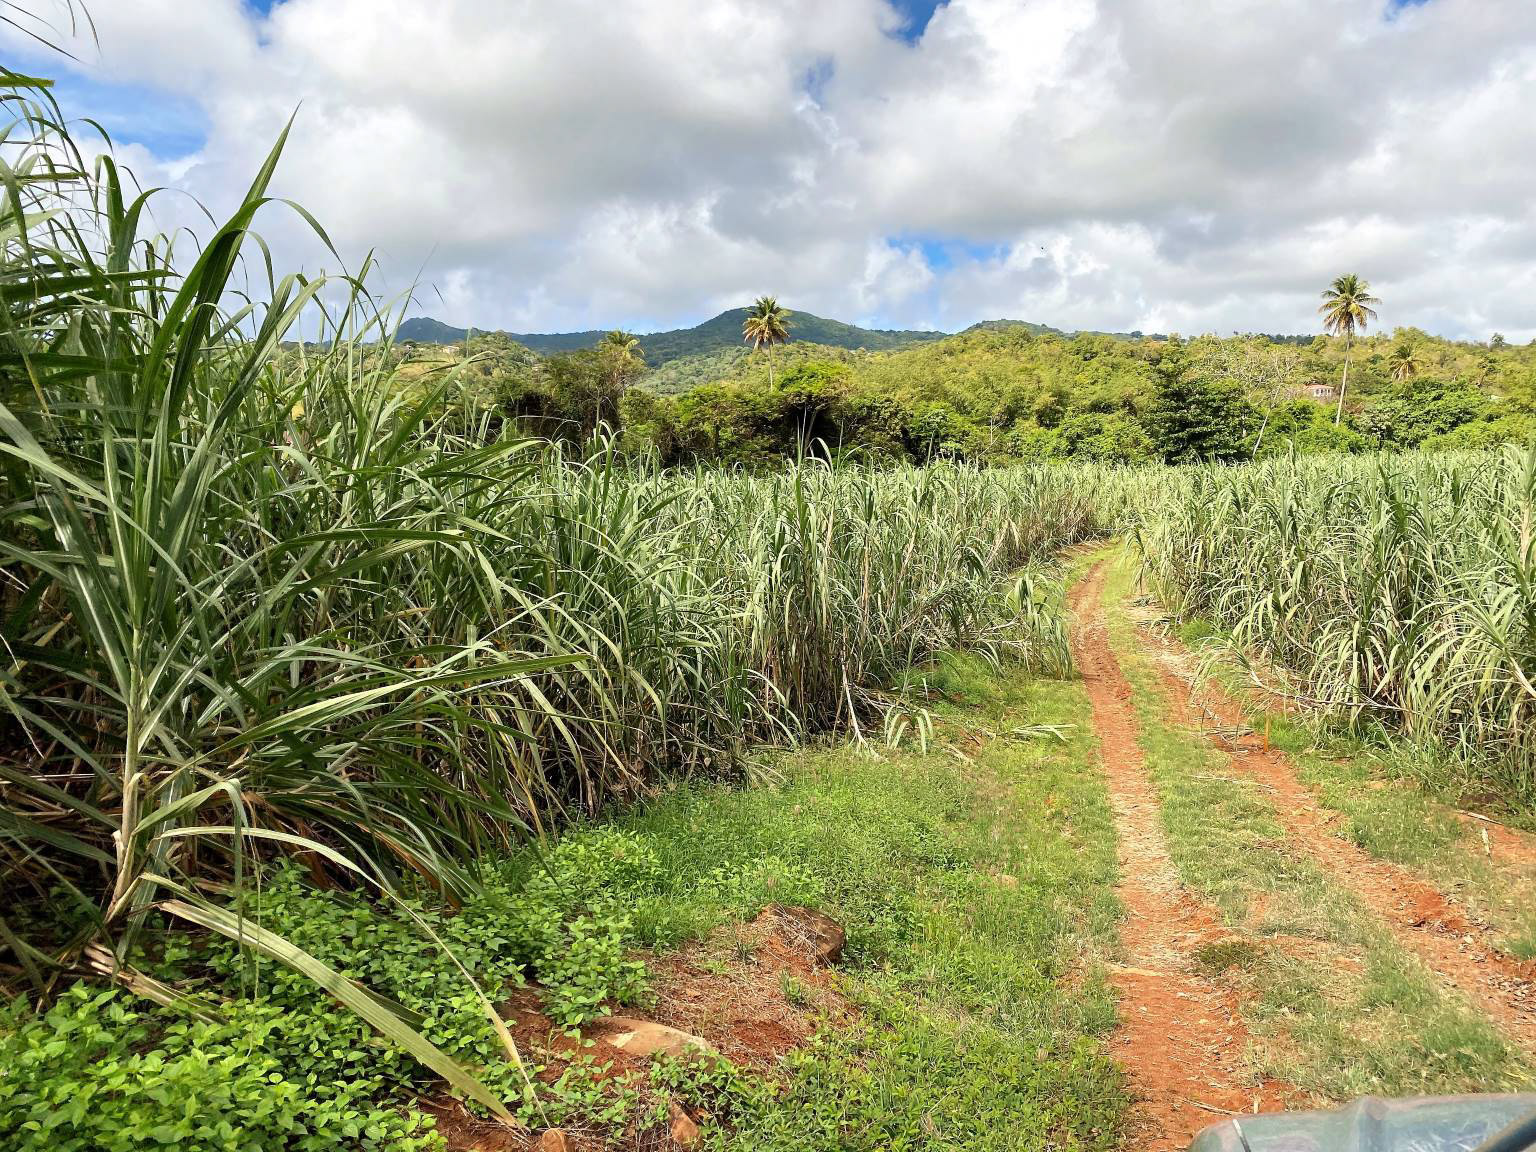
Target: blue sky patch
(169, 126)
(945, 252)
(915, 15)
(818, 76)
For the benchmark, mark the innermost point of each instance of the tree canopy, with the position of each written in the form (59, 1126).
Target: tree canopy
(1004, 392)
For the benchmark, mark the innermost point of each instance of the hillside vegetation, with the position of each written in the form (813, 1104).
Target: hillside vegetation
(1005, 392)
(1008, 393)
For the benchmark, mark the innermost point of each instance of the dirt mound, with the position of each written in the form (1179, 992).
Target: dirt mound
(802, 932)
(755, 990)
(752, 992)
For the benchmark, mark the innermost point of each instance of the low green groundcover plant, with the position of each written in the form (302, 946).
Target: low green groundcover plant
(98, 1074)
(278, 1066)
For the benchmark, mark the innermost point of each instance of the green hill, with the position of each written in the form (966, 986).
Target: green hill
(1047, 330)
(1003, 390)
(425, 330)
(1004, 325)
(714, 335)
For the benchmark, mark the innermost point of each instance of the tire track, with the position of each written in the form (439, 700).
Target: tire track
(1459, 950)
(1180, 1039)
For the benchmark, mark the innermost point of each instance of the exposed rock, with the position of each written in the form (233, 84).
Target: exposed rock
(646, 1037)
(685, 1133)
(805, 932)
(551, 1140)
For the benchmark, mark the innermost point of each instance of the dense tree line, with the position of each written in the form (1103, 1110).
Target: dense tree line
(1010, 393)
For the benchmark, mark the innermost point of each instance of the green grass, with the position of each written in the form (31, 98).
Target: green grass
(982, 1009)
(1334, 1004)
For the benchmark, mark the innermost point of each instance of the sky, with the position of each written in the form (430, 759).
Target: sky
(544, 165)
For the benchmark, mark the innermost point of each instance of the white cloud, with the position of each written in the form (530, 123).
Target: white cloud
(1087, 163)
(893, 275)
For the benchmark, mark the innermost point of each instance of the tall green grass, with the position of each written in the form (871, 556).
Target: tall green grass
(1401, 590)
(262, 599)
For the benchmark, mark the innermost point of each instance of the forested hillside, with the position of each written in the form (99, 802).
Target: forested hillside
(1003, 391)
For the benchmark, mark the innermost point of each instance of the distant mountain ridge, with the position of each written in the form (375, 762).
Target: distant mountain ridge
(717, 333)
(723, 332)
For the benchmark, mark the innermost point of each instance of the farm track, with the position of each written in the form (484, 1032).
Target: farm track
(1181, 1037)
(1458, 949)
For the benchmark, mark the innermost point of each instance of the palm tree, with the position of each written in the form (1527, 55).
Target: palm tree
(620, 358)
(1346, 309)
(1404, 362)
(766, 325)
(621, 351)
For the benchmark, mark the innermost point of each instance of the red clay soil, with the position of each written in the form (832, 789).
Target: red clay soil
(1180, 1038)
(739, 1005)
(1457, 948)
(1513, 849)
(729, 990)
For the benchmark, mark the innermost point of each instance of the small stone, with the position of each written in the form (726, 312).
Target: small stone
(685, 1133)
(812, 934)
(646, 1037)
(551, 1140)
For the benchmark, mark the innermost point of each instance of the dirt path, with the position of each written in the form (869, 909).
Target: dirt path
(1180, 1038)
(1459, 950)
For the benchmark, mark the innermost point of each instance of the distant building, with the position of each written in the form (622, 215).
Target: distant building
(1320, 392)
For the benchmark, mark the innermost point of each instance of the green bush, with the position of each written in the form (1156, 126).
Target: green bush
(1416, 410)
(93, 1074)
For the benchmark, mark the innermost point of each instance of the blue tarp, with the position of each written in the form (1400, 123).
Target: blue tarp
(1371, 1124)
